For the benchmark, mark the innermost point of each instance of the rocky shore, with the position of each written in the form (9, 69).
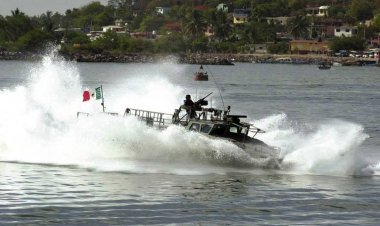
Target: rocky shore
(197, 58)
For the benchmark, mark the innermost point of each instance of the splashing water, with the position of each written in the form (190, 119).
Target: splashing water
(41, 127)
(330, 147)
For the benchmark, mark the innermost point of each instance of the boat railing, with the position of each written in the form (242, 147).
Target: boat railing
(79, 114)
(151, 118)
(185, 113)
(86, 114)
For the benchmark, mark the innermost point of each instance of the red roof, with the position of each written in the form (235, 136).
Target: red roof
(172, 26)
(200, 8)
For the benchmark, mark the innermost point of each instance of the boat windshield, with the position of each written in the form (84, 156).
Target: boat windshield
(228, 131)
(218, 130)
(204, 128)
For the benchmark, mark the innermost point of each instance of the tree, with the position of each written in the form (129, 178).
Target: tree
(3, 33)
(47, 22)
(194, 23)
(199, 44)
(296, 5)
(120, 3)
(108, 41)
(336, 11)
(34, 40)
(103, 19)
(299, 26)
(347, 43)
(360, 10)
(279, 48)
(172, 43)
(76, 38)
(17, 25)
(376, 22)
(221, 25)
(150, 23)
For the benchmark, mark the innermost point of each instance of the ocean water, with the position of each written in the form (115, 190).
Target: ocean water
(57, 169)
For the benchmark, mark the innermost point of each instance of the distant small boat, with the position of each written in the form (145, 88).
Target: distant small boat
(337, 64)
(201, 75)
(324, 66)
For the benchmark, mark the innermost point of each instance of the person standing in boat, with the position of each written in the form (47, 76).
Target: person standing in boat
(189, 105)
(188, 101)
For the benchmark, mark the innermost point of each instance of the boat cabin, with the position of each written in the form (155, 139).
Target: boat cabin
(236, 132)
(214, 122)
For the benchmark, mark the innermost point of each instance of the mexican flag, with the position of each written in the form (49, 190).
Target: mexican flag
(98, 93)
(86, 95)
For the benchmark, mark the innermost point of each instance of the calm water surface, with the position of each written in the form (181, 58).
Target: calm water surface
(55, 169)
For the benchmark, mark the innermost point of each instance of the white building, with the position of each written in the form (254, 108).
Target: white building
(162, 10)
(346, 31)
(323, 10)
(222, 7)
(283, 20)
(114, 28)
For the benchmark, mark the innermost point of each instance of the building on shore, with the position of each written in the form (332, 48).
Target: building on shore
(309, 46)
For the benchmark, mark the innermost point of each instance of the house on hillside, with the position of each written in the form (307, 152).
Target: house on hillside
(312, 11)
(200, 8)
(63, 30)
(120, 23)
(240, 16)
(209, 32)
(114, 28)
(94, 35)
(319, 11)
(345, 31)
(144, 35)
(162, 10)
(260, 48)
(323, 11)
(172, 27)
(324, 27)
(283, 20)
(375, 41)
(308, 46)
(222, 7)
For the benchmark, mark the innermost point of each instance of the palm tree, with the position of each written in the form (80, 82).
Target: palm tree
(47, 21)
(299, 26)
(17, 12)
(221, 25)
(194, 23)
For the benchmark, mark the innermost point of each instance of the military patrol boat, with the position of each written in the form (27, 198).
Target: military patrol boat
(215, 123)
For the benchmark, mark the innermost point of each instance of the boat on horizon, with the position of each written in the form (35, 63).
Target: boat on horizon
(201, 75)
(324, 66)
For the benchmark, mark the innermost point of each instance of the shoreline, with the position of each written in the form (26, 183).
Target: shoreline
(198, 58)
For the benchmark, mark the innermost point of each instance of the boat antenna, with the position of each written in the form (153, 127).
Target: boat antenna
(217, 85)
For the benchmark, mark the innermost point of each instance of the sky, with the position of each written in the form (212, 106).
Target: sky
(38, 7)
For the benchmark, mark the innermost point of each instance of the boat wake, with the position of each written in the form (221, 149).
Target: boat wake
(331, 147)
(41, 127)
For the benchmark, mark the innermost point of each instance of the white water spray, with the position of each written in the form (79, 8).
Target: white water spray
(330, 147)
(40, 126)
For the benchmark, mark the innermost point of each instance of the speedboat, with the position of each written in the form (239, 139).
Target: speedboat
(212, 122)
(324, 66)
(201, 75)
(215, 123)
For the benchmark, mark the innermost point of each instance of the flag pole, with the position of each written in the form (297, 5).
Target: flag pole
(101, 88)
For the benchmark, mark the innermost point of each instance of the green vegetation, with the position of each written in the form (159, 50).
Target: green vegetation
(349, 43)
(182, 28)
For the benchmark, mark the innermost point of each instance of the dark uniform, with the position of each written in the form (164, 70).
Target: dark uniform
(190, 104)
(188, 101)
